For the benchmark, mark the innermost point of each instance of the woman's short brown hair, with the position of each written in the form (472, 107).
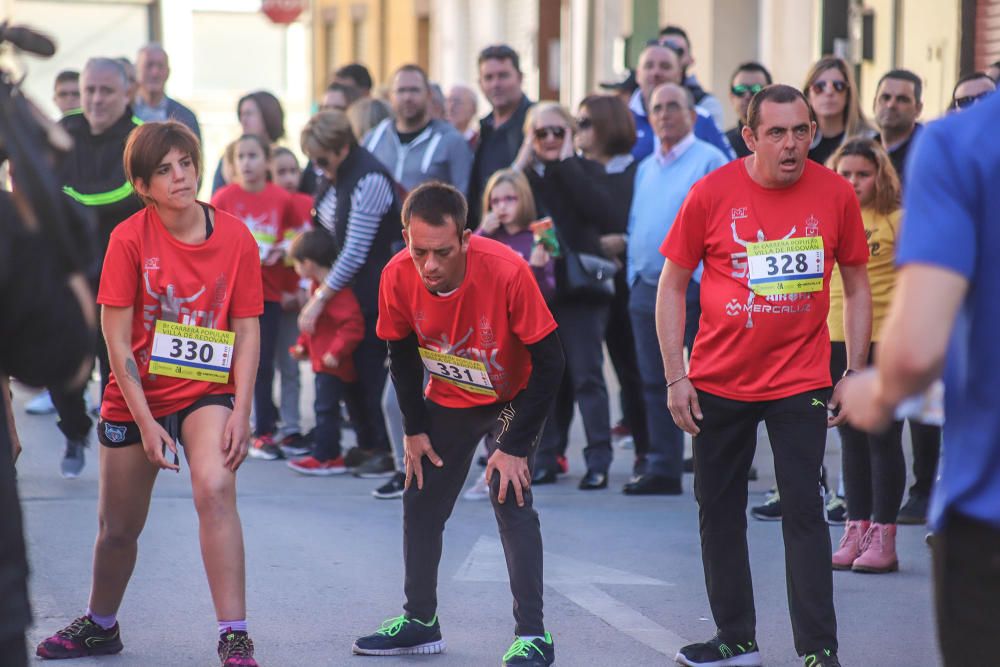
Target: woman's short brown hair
(150, 142)
(327, 131)
(614, 127)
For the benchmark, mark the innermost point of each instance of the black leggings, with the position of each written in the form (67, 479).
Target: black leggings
(874, 468)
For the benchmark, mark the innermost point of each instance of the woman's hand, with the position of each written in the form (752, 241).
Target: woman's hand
(526, 155)
(236, 439)
(613, 245)
(310, 313)
(539, 256)
(567, 150)
(154, 438)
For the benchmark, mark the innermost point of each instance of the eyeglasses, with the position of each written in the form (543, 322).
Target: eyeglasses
(820, 86)
(742, 90)
(584, 123)
(554, 131)
(968, 100)
(506, 199)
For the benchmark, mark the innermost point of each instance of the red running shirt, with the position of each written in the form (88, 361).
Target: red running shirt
(493, 315)
(162, 278)
(268, 214)
(750, 347)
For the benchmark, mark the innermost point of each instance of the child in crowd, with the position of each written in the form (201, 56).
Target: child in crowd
(509, 210)
(874, 470)
(268, 211)
(339, 330)
(286, 174)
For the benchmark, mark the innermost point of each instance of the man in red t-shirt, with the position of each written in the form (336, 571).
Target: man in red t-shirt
(468, 311)
(768, 229)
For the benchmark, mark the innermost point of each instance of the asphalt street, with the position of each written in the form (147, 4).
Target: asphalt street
(624, 582)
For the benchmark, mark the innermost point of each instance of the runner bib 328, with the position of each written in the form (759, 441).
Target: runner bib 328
(786, 266)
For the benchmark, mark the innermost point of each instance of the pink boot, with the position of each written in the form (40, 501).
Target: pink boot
(879, 550)
(850, 544)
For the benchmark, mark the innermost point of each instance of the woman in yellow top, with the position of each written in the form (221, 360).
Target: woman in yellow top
(873, 466)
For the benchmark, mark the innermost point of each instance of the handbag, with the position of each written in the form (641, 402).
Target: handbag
(589, 276)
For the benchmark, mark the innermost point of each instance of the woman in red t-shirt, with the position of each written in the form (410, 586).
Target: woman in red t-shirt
(181, 292)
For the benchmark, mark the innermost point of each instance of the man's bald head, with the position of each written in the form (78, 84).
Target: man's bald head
(657, 65)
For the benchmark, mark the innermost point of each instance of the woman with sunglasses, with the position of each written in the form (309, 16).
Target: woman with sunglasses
(606, 134)
(749, 79)
(831, 92)
(570, 190)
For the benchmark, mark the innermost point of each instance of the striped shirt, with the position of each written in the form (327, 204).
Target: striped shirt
(370, 201)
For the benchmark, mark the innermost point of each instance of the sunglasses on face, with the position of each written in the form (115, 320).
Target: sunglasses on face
(545, 132)
(820, 86)
(967, 101)
(743, 90)
(584, 123)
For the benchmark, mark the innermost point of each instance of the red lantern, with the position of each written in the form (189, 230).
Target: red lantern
(283, 11)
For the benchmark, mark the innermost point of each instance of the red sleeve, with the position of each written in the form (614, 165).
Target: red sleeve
(530, 318)
(346, 319)
(120, 275)
(392, 322)
(685, 242)
(852, 245)
(248, 287)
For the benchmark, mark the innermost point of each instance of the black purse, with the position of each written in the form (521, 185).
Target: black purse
(589, 276)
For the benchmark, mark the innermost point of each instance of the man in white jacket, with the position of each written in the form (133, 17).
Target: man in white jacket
(414, 147)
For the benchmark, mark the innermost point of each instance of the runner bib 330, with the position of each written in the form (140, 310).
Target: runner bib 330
(192, 353)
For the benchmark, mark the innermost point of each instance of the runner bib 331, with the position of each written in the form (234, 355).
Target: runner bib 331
(463, 373)
(192, 353)
(786, 266)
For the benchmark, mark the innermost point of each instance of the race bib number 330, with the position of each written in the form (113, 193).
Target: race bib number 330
(192, 353)
(786, 266)
(458, 371)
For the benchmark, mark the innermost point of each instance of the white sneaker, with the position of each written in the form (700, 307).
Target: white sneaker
(41, 404)
(478, 491)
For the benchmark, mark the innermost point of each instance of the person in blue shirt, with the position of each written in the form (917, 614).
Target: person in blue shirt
(659, 64)
(945, 315)
(662, 182)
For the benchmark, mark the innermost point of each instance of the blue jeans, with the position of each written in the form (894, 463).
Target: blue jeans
(326, 438)
(666, 440)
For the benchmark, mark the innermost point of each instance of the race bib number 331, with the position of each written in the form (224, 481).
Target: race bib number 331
(192, 353)
(458, 371)
(786, 266)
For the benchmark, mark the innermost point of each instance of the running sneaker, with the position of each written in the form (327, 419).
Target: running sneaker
(478, 491)
(770, 510)
(377, 467)
(294, 444)
(264, 448)
(41, 404)
(73, 458)
(402, 636)
(309, 465)
(824, 658)
(562, 465)
(79, 639)
(836, 511)
(393, 488)
(717, 653)
(236, 649)
(539, 652)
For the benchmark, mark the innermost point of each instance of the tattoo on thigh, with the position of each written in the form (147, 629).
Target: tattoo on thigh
(132, 371)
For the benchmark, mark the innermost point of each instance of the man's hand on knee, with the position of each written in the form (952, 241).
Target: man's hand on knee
(513, 471)
(416, 447)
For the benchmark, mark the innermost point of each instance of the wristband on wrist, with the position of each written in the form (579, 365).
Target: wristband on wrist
(847, 373)
(673, 382)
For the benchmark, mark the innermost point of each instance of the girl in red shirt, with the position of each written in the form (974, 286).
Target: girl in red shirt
(268, 212)
(181, 292)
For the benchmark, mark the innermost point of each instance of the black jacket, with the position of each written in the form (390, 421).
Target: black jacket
(497, 149)
(94, 175)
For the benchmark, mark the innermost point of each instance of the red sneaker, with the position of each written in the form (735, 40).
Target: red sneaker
(263, 447)
(563, 463)
(309, 465)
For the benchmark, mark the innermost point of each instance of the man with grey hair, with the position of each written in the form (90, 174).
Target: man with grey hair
(460, 110)
(93, 174)
(151, 102)
(662, 182)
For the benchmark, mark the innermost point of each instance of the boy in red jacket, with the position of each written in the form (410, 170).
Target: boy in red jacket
(338, 331)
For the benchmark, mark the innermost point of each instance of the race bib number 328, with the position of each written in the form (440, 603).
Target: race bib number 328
(192, 353)
(458, 371)
(786, 266)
